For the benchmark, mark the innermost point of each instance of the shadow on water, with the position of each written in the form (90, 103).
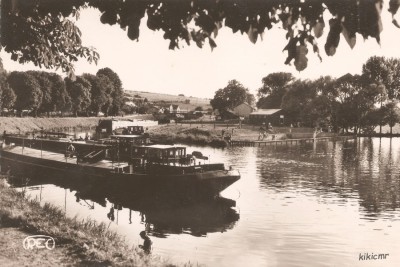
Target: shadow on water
(367, 169)
(161, 215)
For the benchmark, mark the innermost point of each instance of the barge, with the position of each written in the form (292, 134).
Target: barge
(121, 163)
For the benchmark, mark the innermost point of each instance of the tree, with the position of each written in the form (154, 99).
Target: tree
(356, 101)
(117, 94)
(296, 101)
(273, 89)
(231, 96)
(7, 95)
(79, 91)
(60, 96)
(372, 119)
(386, 71)
(27, 90)
(391, 114)
(45, 85)
(41, 32)
(100, 88)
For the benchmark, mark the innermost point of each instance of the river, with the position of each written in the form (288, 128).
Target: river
(323, 204)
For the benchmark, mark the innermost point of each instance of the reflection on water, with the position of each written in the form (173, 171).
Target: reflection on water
(321, 203)
(159, 216)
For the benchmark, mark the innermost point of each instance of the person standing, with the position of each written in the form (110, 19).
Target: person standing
(146, 243)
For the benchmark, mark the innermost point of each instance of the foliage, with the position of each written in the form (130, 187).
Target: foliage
(391, 114)
(116, 96)
(385, 71)
(80, 93)
(7, 95)
(100, 90)
(297, 99)
(51, 39)
(231, 96)
(273, 89)
(27, 89)
(40, 32)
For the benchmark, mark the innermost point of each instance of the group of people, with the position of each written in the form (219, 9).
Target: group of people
(263, 132)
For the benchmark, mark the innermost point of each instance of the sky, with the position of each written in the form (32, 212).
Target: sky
(148, 65)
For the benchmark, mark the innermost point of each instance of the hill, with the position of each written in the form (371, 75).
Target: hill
(185, 102)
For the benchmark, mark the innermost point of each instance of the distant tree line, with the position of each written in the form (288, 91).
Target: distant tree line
(356, 102)
(42, 92)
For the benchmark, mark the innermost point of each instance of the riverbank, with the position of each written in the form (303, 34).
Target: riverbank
(78, 242)
(177, 133)
(29, 124)
(217, 135)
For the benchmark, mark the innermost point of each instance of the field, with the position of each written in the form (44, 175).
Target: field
(174, 99)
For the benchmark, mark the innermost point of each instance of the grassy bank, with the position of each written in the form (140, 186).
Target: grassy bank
(209, 134)
(78, 242)
(29, 124)
(174, 133)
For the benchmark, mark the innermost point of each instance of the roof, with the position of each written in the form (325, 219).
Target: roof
(130, 136)
(175, 106)
(244, 103)
(265, 112)
(164, 146)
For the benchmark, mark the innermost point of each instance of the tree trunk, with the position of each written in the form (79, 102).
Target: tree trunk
(391, 131)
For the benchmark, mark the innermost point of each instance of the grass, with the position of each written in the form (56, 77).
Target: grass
(86, 241)
(191, 136)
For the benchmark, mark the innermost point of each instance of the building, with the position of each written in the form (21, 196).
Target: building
(225, 115)
(243, 110)
(274, 116)
(174, 109)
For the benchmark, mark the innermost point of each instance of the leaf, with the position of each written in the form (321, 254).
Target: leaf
(378, 6)
(212, 43)
(218, 25)
(301, 60)
(351, 40)
(332, 41)
(109, 18)
(394, 21)
(314, 43)
(394, 6)
(14, 56)
(291, 48)
(319, 28)
(253, 34)
(286, 19)
(133, 32)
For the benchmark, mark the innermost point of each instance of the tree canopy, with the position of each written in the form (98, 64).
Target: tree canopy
(358, 102)
(44, 31)
(273, 89)
(231, 96)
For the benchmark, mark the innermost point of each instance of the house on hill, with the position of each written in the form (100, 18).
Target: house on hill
(243, 110)
(174, 109)
(131, 104)
(273, 116)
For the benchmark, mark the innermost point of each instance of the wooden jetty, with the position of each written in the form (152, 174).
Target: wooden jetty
(255, 143)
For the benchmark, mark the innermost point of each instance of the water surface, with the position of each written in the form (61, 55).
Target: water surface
(301, 205)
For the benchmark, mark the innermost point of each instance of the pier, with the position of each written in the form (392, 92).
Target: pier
(249, 143)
